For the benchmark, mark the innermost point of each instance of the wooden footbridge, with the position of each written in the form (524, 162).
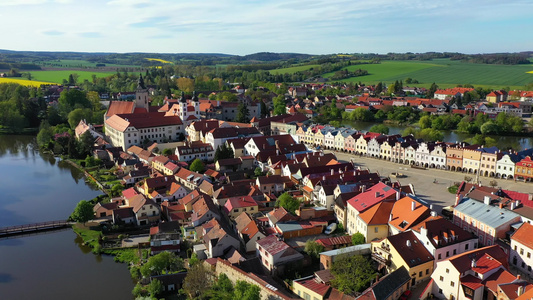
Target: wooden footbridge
(33, 228)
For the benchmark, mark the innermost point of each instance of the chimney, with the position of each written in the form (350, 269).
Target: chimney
(433, 213)
(517, 202)
(324, 177)
(363, 188)
(377, 194)
(513, 205)
(331, 171)
(473, 263)
(408, 243)
(518, 276)
(397, 195)
(413, 205)
(486, 200)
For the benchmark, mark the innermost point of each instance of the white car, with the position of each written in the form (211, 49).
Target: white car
(331, 227)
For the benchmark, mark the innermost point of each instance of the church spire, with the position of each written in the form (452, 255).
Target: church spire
(140, 83)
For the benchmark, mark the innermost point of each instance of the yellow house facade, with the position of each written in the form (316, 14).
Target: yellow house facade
(404, 249)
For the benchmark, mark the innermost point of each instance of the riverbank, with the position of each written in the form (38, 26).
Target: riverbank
(94, 238)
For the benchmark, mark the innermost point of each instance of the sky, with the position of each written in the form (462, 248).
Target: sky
(248, 26)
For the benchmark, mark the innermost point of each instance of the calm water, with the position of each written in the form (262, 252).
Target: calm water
(503, 142)
(35, 188)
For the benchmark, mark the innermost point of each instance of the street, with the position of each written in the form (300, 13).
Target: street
(422, 180)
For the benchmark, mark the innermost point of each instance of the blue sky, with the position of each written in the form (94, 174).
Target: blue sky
(245, 27)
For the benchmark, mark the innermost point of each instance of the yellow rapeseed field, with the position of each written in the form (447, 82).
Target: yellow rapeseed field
(34, 83)
(159, 60)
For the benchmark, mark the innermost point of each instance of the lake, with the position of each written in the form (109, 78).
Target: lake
(54, 265)
(502, 142)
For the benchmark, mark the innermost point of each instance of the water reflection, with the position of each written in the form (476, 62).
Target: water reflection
(79, 242)
(5, 278)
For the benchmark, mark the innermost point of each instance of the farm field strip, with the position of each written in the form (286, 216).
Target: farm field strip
(292, 70)
(25, 82)
(57, 76)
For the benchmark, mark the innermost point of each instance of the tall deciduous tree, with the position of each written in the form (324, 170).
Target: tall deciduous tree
(83, 212)
(198, 281)
(243, 114)
(163, 262)
(288, 202)
(279, 105)
(197, 166)
(352, 274)
(358, 238)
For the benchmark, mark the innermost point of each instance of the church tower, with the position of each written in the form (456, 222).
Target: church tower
(183, 107)
(141, 94)
(196, 104)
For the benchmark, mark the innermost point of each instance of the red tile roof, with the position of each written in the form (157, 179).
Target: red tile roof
(498, 277)
(403, 217)
(368, 199)
(273, 245)
(463, 261)
(120, 107)
(377, 214)
(471, 282)
(239, 202)
(313, 285)
(522, 235)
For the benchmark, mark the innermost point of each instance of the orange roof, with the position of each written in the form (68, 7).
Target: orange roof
(119, 107)
(403, 215)
(377, 214)
(498, 277)
(522, 235)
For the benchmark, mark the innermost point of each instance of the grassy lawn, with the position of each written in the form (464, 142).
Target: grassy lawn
(59, 75)
(446, 73)
(292, 70)
(89, 236)
(453, 189)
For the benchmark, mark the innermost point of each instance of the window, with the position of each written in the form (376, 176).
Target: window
(521, 251)
(440, 256)
(447, 271)
(466, 247)
(452, 283)
(441, 279)
(376, 231)
(427, 271)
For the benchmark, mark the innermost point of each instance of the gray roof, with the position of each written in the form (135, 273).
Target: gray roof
(391, 283)
(359, 249)
(490, 215)
(347, 188)
(285, 227)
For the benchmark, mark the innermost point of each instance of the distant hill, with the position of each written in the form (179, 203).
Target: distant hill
(271, 56)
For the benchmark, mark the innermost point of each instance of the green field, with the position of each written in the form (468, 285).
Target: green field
(74, 63)
(445, 73)
(292, 70)
(59, 75)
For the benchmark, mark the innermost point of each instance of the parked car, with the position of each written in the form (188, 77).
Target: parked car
(331, 227)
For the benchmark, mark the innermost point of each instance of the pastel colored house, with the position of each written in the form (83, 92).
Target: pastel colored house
(274, 252)
(404, 249)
